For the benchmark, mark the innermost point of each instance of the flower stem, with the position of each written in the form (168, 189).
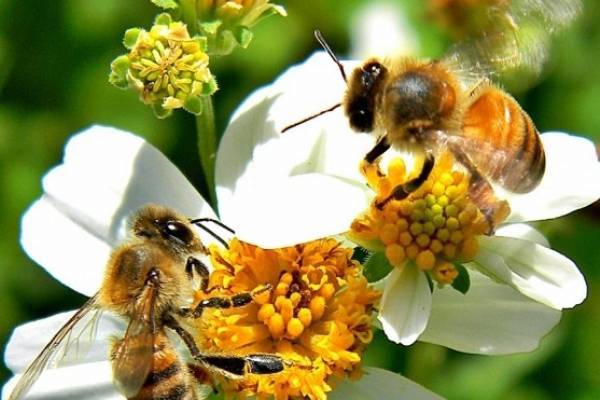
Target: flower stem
(207, 145)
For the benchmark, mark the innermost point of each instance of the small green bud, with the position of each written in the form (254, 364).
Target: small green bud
(227, 23)
(165, 66)
(118, 73)
(131, 37)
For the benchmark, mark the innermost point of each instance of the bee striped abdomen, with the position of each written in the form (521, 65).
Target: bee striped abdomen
(169, 378)
(510, 150)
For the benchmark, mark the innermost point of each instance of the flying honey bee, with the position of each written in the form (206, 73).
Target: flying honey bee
(428, 106)
(149, 282)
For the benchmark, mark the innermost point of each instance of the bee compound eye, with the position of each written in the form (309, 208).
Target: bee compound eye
(179, 231)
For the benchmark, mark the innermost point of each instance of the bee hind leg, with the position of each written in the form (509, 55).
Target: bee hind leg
(493, 209)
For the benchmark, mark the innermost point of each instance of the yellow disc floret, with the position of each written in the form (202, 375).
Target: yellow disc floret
(316, 316)
(432, 227)
(167, 67)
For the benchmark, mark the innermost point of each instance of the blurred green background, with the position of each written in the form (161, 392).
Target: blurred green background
(54, 62)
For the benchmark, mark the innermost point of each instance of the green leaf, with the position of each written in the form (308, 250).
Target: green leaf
(377, 267)
(165, 4)
(462, 282)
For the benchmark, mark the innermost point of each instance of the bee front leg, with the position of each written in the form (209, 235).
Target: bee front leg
(402, 191)
(236, 300)
(368, 168)
(193, 264)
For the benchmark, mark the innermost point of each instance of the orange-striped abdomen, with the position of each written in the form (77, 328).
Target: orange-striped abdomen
(504, 144)
(169, 378)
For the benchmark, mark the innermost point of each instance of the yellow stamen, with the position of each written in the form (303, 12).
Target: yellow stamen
(433, 226)
(317, 317)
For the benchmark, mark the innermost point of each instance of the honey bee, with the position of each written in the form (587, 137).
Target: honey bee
(428, 106)
(149, 281)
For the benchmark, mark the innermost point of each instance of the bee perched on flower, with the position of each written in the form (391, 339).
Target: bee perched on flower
(166, 66)
(431, 234)
(310, 308)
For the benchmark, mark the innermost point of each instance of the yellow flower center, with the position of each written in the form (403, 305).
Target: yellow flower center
(316, 316)
(168, 65)
(434, 226)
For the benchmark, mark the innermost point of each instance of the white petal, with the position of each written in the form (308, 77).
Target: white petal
(29, 339)
(381, 29)
(491, 318)
(571, 181)
(405, 305)
(80, 370)
(106, 175)
(379, 384)
(91, 381)
(304, 208)
(522, 231)
(253, 149)
(535, 270)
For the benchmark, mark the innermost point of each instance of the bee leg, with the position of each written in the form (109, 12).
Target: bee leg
(402, 191)
(482, 194)
(231, 366)
(236, 300)
(368, 168)
(193, 264)
(381, 147)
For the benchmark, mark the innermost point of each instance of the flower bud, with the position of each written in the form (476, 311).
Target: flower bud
(167, 67)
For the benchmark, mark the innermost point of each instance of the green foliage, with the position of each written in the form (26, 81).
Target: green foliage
(462, 282)
(377, 266)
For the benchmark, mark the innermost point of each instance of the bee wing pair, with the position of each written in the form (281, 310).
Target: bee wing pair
(516, 35)
(60, 346)
(131, 359)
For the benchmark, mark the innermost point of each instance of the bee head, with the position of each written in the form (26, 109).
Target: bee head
(164, 226)
(363, 87)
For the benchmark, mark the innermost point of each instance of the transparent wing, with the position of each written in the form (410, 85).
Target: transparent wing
(132, 356)
(63, 345)
(516, 35)
(489, 161)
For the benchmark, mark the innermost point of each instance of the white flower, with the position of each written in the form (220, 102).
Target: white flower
(106, 175)
(308, 178)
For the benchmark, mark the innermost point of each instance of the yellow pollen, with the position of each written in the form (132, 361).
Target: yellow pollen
(265, 312)
(317, 318)
(433, 226)
(295, 327)
(305, 316)
(395, 254)
(317, 307)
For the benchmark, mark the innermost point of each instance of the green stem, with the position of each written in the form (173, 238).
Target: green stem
(189, 15)
(207, 145)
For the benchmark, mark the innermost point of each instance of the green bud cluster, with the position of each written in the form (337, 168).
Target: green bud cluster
(165, 66)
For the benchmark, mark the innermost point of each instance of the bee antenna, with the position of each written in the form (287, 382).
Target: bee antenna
(214, 221)
(295, 124)
(200, 225)
(326, 47)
